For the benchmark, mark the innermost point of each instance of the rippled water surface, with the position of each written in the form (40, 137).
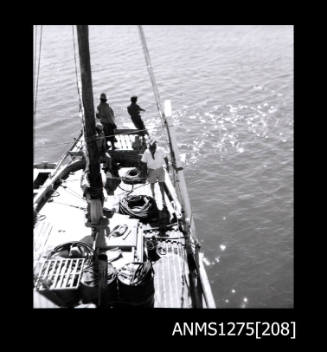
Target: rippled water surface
(231, 89)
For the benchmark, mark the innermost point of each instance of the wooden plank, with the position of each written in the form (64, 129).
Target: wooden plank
(122, 141)
(117, 144)
(40, 275)
(127, 142)
(45, 273)
(139, 246)
(170, 276)
(209, 299)
(123, 147)
(171, 190)
(176, 273)
(160, 284)
(41, 235)
(132, 139)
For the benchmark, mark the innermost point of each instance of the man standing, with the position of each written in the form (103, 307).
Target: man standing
(106, 116)
(134, 111)
(154, 158)
(104, 156)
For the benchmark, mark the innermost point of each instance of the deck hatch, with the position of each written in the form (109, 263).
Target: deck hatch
(60, 274)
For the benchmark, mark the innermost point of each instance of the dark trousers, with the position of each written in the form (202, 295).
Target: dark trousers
(109, 130)
(138, 123)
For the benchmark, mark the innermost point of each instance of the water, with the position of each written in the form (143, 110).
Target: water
(232, 93)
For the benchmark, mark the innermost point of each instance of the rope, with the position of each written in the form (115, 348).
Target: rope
(183, 277)
(151, 74)
(76, 77)
(85, 250)
(141, 207)
(34, 57)
(149, 67)
(128, 191)
(73, 193)
(38, 71)
(155, 88)
(70, 205)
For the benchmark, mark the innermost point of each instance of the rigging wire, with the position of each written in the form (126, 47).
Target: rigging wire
(38, 70)
(76, 76)
(155, 90)
(150, 71)
(151, 74)
(159, 107)
(34, 55)
(70, 205)
(73, 193)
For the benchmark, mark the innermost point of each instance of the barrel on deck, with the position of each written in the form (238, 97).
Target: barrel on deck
(89, 290)
(62, 298)
(136, 285)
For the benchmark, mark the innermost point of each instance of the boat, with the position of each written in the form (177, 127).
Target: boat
(119, 247)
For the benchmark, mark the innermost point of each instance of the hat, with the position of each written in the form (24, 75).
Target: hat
(103, 96)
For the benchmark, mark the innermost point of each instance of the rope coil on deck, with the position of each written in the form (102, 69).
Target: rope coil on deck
(141, 207)
(133, 176)
(65, 250)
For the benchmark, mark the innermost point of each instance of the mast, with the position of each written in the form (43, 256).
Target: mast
(96, 186)
(95, 180)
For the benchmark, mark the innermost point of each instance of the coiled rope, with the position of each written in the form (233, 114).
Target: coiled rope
(63, 250)
(133, 176)
(140, 207)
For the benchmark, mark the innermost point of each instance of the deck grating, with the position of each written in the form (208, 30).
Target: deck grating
(60, 274)
(168, 281)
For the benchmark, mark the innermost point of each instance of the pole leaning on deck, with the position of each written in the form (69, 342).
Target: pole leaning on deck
(96, 187)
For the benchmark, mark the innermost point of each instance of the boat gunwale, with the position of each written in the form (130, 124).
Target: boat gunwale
(77, 163)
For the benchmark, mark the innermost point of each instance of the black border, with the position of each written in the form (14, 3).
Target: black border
(157, 323)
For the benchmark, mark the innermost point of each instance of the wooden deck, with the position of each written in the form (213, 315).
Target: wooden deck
(171, 275)
(62, 219)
